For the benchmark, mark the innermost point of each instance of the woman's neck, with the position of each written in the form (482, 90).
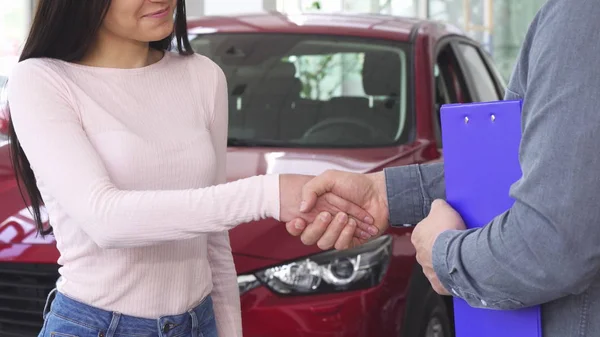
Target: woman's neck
(110, 51)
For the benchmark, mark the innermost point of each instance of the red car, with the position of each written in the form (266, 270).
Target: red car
(307, 93)
(3, 109)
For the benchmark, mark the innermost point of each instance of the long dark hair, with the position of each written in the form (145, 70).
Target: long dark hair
(64, 30)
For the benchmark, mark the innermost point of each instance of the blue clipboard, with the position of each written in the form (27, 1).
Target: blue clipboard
(481, 162)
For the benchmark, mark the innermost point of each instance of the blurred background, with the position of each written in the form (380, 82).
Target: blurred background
(499, 25)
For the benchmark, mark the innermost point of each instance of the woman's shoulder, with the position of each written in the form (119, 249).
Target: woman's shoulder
(199, 60)
(36, 74)
(35, 66)
(198, 63)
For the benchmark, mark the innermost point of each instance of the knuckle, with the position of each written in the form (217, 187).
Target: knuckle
(347, 233)
(329, 173)
(310, 186)
(344, 205)
(291, 230)
(324, 245)
(341, 218)
(415, 240)
(323, 219)
(307, 238)
(324, 223)
(343, 240)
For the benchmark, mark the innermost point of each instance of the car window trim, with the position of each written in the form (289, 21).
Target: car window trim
(447, 41)
(475, 97)
(494, 72)
(469, 81)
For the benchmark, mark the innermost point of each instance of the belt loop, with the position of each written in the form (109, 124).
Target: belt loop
(114, 322)
(47, 305)
(195, 327)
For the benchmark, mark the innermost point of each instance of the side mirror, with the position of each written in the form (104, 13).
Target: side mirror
(3, 106)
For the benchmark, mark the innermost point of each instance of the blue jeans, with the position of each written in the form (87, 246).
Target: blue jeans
(70, 318)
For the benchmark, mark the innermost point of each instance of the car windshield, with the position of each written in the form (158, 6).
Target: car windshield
(300, 90)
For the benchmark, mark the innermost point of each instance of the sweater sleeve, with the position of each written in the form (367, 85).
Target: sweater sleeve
(51, 134)
(225, 292)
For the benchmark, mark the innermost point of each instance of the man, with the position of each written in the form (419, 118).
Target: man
(546, 248)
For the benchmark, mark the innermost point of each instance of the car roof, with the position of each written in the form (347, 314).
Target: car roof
(366, 25)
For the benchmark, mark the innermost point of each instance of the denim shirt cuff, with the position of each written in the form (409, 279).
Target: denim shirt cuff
(404, 195)
(439, 253)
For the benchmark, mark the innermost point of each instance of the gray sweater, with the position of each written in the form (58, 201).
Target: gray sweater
(546, 248)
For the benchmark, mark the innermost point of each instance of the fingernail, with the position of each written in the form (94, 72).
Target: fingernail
(369, 220)
(373, 230)
(299, 225)
(365, 235)
(343, 217)
(303, 206)
(324, 216)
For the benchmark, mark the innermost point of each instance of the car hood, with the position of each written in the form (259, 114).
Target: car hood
(265, 240)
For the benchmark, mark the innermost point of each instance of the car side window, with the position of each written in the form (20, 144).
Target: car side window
(450, 85)
(484, 87)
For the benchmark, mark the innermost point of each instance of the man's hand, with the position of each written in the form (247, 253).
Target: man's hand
(366, 191)
(327, 207)
(441, 218)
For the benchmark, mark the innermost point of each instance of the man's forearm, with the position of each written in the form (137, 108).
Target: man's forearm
(411, 190)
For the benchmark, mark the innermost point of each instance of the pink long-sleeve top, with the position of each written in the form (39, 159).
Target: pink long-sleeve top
(131, 166)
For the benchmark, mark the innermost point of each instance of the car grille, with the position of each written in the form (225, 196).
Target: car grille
(23, 292)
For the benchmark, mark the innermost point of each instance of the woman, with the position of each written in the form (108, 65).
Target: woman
(124, 143)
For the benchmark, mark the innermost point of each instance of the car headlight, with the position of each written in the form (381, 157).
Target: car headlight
(332, 271)
(247, 282)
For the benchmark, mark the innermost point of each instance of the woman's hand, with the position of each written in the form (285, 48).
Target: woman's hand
(328, 206)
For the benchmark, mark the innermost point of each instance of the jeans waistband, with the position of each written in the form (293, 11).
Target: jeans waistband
(115, 323)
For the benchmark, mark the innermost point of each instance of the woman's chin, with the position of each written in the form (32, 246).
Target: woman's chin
(158, 33)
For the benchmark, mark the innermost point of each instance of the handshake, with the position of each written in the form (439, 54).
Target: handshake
(335, 209)
(343, 210)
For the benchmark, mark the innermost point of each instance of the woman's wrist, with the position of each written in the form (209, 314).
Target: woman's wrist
(271, 195)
